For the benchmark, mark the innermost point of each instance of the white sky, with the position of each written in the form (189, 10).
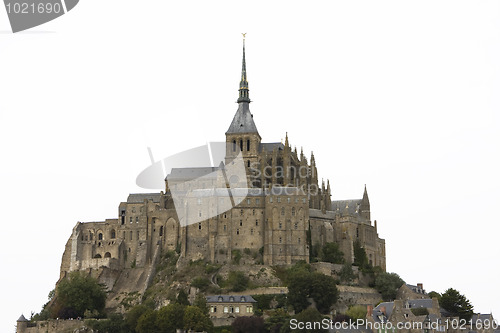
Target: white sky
(402, 96)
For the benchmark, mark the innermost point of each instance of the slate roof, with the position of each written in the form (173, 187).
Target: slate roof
(269, 146)
(416, 289)
(22, 318)
(228, 299)
(242, 121)
(139, 197)
(353, 205)
(192, 173)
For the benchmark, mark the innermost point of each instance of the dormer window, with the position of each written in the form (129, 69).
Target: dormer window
(231, 299)
(220, 299)
(243, 299)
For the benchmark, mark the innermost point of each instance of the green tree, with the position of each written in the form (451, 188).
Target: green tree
(387, 284)
(196, 320)
(360, 258)
(147, 322)
(170, 318)
(457, 304)
(346, 273)
(324, 291)
(133, 315)
(434, 294)
(237, 281)
(78, 293)
(310, 315)
(356, 312)
(182, 298)
(201, 302)
(331, 253)
(200, 282)
(248, 324)
(298, 290)
(277, 319)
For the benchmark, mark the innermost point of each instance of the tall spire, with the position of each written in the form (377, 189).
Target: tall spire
(243, 97)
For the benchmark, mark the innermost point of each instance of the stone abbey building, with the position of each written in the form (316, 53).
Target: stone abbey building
(280, 209)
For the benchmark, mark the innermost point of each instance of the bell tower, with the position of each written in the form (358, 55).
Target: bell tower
(242, 134)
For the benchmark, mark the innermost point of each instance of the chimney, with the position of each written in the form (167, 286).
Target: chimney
(369, 311)
(420, 286)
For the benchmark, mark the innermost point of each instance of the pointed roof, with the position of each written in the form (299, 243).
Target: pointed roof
(243, 119)
(22, 318)
(365, 199)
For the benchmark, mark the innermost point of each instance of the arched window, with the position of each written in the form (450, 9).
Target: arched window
(113, 234)
(107, 255)
(241, 145)
(248, 145)
(97, 256)
(234, 145)
(248, 163)
(100, 236)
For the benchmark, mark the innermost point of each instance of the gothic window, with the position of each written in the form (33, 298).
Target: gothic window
(234, 145)
(100, 236)
(97, 256)
(241, 145)
(113, 234)
(248, 145)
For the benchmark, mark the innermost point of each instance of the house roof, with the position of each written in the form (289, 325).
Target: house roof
(22, 318)
(230, 299)
(269, 147)
(140, 197)
(353, 206)
(192, 173)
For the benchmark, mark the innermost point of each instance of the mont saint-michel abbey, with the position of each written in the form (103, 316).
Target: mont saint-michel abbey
(280, 209)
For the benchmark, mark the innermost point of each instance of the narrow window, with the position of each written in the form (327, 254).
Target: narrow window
(248, 163)
(241, 223)
(257, 201)
(248, 145)
(251, 231)
(280, 240)
(241, 145)
(161, 231)
(131, 234)
(279, 199)
(225, 227)
(237, 231)
(137, 234)
(288, 199)
(256, 222)
(100, 236)
(199, 226)
(282, 210)
(280, 225)
(299, 240)
(248, 201)
(113, 234)
(296, 225)
(293, 211)
(137, 219)
(234, 145)
(131, 219)
(270, 199)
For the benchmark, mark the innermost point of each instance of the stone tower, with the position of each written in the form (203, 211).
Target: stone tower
(242, 134)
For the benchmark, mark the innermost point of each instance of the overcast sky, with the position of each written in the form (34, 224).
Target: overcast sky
(401, 96)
